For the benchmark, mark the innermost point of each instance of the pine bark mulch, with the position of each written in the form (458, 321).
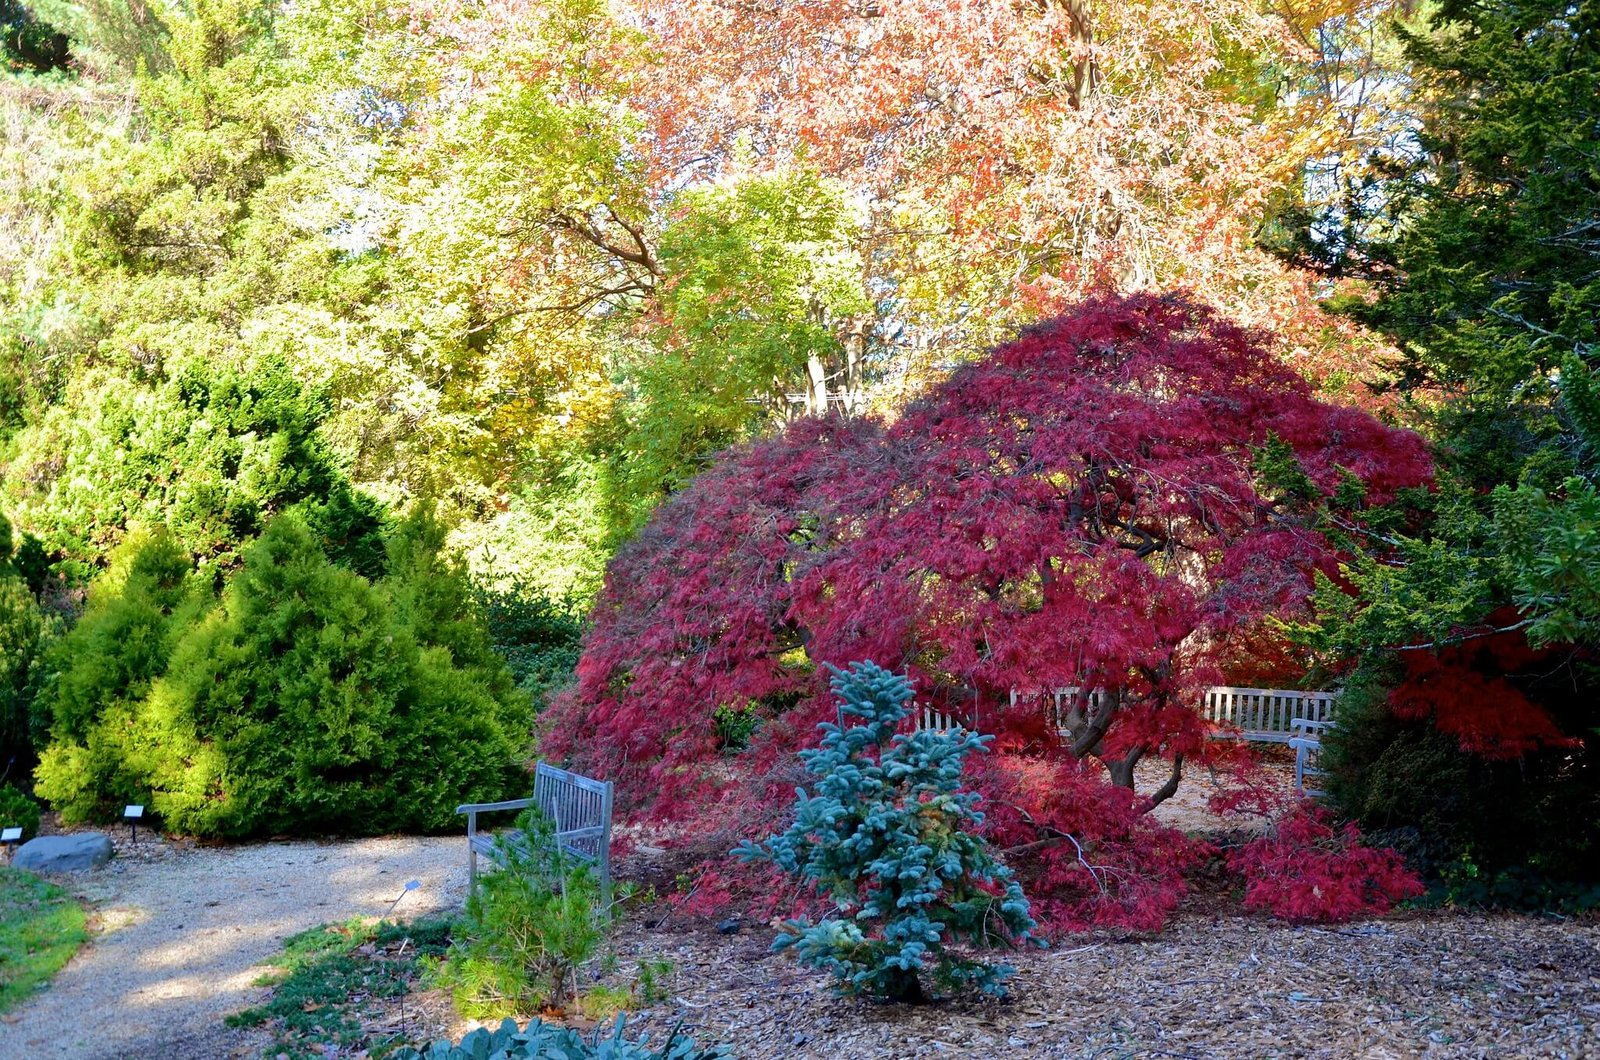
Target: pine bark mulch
(1435, 984)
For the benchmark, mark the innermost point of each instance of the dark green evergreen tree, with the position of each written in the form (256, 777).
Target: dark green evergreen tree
(1482, 617)
(24, 634)
(1487, 274)
(29, 44)
(1486, 268)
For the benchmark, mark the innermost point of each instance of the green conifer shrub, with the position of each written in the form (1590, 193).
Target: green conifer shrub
(311, 701)
(529, 926)
(430, 592)
(18, 811)
(103, 670)
(308, 700)
(891, 839)
(211, 452)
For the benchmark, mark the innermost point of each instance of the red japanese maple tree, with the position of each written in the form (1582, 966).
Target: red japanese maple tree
(1088, 507)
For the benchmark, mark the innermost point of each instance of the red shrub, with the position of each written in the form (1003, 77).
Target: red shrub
(1462, 688)
(1087, 853)
(1307, 869)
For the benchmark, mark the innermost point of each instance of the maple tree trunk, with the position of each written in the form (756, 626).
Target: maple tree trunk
(1170, 788)
(855, 347)
(1121, 770)
(1084, 73)
(1087, 742)
(817, 386)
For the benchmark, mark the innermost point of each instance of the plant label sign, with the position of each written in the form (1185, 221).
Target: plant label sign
(10, 835)
(132, 812)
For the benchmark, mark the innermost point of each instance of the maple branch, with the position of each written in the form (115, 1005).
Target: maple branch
(639, 256)
(1170, 788)
(1445, 642)
(635, 232)
(1355, 528)
(1149, 543)
(630, 286)
(1054, 836)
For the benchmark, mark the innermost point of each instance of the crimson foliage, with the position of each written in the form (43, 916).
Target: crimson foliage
(1308, 869)
(1470, 694)
(1105, 503)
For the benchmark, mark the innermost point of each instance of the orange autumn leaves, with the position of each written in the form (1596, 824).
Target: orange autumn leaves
(1007, 158)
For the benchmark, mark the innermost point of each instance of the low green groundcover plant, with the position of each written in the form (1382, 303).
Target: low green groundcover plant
(329, 977)
(17, 810)
(41, 927)
(890, 837)
(548, 1041)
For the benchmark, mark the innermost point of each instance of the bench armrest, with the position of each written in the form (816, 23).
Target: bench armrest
(485, 807)
(472, 809)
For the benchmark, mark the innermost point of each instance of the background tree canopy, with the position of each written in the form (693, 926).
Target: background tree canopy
(532, 261)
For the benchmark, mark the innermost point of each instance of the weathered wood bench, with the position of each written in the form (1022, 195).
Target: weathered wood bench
(1266, 715)
(1262, 715)
(579, 808)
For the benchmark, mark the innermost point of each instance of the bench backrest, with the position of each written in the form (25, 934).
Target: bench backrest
(580, 809)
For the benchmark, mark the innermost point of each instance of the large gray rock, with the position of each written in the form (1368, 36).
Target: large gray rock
(63, 853)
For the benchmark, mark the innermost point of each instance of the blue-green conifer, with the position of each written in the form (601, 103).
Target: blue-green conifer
(891, 839)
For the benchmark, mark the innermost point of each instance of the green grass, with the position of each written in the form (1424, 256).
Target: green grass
(41, 927)
(329, 977)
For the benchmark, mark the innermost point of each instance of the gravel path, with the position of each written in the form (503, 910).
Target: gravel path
(183, 933)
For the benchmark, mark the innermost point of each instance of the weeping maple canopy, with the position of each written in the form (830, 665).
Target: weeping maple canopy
(1100, 504)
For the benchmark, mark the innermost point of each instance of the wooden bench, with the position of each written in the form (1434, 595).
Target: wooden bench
(579, 807)
(1262, 715)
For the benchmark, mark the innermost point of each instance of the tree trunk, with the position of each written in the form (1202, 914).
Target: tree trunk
(1087, 742)
(1085, 75)
(1170, 788)
(1121, 770)
(817, 386)
(855, 349)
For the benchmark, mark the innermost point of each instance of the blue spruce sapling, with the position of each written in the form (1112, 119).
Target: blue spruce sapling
(890, 837)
